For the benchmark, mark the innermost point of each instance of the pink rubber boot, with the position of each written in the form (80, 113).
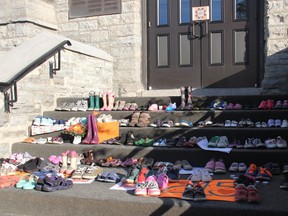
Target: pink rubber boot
(104, 99)
(110, 97)
(88, 138)
(95, 139)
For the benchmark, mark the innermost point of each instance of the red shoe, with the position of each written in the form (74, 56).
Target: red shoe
(270, 104)
(263, 105)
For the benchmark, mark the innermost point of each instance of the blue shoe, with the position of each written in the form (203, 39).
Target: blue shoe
(186, 123)
(171, 107)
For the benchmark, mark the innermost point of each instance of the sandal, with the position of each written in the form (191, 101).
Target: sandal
(54, 183)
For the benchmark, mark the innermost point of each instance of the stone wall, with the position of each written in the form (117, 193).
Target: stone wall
(276, 56)
(120, 35)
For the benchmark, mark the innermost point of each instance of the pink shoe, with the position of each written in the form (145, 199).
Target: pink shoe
(141, 189)
(263, 105)
(237, 106)
(230, 106)
(162, 181)
(152, 186)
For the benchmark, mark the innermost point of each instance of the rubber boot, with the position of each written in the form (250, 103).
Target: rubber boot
(64, 161)
(73, 164)
(110, 97)
(183, 99)
(104, 99)
(189, 105)
(91, 100)
(95, 139)
(97, 102)
(88, 138)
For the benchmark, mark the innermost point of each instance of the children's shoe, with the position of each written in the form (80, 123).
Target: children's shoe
(240, 193)
(263, 174)
(281, 143)
(263, 105)
(252, 170)
(162, 181)
(171, 107)
(141, 189)
(210, 166)
(199, 194)
(153, 188)
(234, 167)
(220, 167)
(252, 194)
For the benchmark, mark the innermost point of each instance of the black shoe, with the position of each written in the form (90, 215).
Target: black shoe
(284, 182)
(122, 139)
(130, 138)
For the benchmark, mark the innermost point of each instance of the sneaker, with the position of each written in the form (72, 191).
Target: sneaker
(249, 143)
(197, 175)
(171, 107)
(234, 167)
(263, 174)
(206, 177)
(156, 123)
(271, 123)
(210, 166)
(199, 194)
(168, 123)
(284, 182)
(252, 170)
(242, 167)
(162, 181)
(278, 123)
(182, 140)
(281, 143)
(271, 143)
(258, 143)
(284, 123)
(252, 194)
(130, 139)
(240, 193)
(220, 167)
(245, 179)
(153, 188)
(222, 142)
(141, 189)
(123, 122)
(122, 139)
(212, 141)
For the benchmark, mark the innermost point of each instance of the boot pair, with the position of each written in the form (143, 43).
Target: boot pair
(140, 119)
(94, 101)
(92, 131)
(108, 101)
(73, 156)
(186, 98)
(88, 158)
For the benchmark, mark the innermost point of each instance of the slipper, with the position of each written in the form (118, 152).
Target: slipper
(111, 177)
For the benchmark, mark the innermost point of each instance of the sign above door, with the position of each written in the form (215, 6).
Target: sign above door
(200, 13)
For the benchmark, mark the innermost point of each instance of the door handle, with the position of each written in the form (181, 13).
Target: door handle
(205, 30)
(191, 31)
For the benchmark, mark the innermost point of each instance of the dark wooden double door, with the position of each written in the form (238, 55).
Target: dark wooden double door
(217, 53)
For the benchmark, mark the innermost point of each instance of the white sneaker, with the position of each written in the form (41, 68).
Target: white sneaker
(222, 142)
(206, 177)
(271, 143)
(284, 123)
(281, 143)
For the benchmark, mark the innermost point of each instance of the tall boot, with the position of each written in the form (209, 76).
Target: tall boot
(183, 99)
(95, 139)
(110, 97)
(104, 99)
(189, 105)
(88, 137)
(97, 101)
(73, 164)
(91, 100)
(64, 161)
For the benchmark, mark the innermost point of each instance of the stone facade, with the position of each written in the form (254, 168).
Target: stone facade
(120, 35)
(276, 52)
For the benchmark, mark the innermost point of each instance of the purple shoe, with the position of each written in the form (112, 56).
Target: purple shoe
(210, 166)
(54, 183)
(220, 167)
